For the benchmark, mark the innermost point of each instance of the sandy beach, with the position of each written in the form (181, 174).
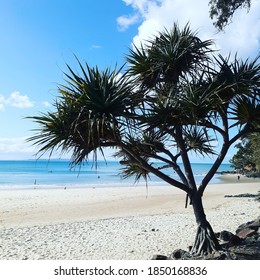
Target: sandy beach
(114, 223)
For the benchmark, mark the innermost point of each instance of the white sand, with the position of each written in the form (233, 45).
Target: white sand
(112, 223)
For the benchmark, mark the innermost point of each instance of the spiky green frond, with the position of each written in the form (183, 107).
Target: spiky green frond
(169, 56)
(198, 140)
(104, 93)
(131, 166)
(246, 111)
(89, 115)
(237, 78)
(134, 170)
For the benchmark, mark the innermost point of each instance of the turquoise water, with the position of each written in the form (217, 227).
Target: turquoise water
(55, 173)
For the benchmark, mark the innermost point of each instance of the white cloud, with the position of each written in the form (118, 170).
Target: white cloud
(241, 36)
(95, 46)
(15, 148)
(16, 100)
(141, 8)
(46, 104)
(2, 101)
(19, 101)
(125, 21)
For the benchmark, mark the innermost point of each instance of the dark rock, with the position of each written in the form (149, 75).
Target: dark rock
(217, 255)
(247, 251)
(244, 226)
(225, 235)
(159, 257)
(242, 195)
(222, 255)
(255, 224)
(245, 245)
(224, 245)
(229, 237)
(179, 254)
(251, 239)
(247, 232)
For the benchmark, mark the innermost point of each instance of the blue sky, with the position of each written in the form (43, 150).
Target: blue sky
(38, 38)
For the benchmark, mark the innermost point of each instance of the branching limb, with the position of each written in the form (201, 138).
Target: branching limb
(185, 159)
(220, 158)
(214, 168)
(175, 166)
(155, 171)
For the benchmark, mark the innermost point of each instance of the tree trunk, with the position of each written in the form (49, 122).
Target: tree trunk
(205, 240)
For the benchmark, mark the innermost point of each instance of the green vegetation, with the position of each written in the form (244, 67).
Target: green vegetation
(247, 158)
(222, 10)
(174, 99)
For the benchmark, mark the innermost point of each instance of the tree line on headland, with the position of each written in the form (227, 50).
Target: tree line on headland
(247, 158)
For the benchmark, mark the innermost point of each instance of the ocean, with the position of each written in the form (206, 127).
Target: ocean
(57, 173)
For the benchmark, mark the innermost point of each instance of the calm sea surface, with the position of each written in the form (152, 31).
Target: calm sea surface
(57, 173)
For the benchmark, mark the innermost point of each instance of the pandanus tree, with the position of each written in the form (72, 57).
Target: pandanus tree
(175, 97)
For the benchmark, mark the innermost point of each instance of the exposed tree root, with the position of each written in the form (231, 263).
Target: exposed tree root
(205, 241)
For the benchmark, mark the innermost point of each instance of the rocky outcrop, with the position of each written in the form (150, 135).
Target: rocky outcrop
(249, 195)
(243, 245)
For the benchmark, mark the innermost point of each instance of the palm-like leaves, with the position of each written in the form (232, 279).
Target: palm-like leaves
(169, 56)
(89, 115)
(105, 93)
(237, 87)
(172, 95)
(142, 147)
(199, 141)
(246, 111)
(237, 78)
(132, 168)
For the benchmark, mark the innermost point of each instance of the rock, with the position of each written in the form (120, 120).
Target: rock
(247, 232)
(222, 255)
(230, 238)
(180, 254)
(217, 255)
(245, 245)
(255, 224)
(250, 240)
(159, 257)
(247, 251)
(243, 226)
(249, 195)
(252, 224)
(225, 235)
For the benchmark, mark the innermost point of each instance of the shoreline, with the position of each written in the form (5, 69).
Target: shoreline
(113, 223)
(121, 184)
(218, 180)
(233, 178)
